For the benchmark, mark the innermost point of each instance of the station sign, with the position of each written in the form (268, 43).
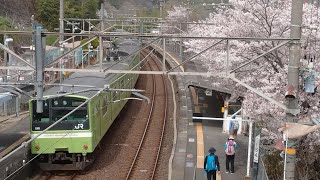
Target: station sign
(39, 27)
(256, 149)
(208, 92)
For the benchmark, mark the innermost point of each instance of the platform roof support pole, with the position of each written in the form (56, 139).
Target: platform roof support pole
(249, 149)
(17, 106)
(225, 115)
(228, 58)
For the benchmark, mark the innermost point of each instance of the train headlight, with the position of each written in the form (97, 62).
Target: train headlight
(37, 148)
(85, 147)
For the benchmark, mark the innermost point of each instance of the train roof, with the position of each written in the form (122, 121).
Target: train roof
(98, 79)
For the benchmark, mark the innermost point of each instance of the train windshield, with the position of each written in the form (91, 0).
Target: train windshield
(54, 109)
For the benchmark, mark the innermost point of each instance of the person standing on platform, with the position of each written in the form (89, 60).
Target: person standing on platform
(233, 127)
(211, 164)
(230, 149)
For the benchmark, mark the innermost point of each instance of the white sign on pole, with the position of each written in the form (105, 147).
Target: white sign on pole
(256, 149)
(208, 92)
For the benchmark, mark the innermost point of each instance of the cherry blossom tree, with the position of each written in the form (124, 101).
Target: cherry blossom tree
(177, 15)
(262, 19)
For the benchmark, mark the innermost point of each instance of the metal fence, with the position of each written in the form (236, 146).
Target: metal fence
(262, 173)
(13, 163)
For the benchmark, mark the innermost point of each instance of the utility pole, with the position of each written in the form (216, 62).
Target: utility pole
(40, 44)
(293, 80)
(4, 78)
(61, 38)
(161, 8)
(100, 38)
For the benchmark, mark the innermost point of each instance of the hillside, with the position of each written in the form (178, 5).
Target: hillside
(19, 11)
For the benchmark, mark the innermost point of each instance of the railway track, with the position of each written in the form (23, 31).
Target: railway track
(119, 148)
(144, 164)
(57, 176)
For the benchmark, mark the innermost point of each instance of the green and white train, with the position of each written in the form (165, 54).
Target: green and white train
(70, 144)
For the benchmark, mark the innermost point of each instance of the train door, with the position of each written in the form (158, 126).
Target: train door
(97, 118)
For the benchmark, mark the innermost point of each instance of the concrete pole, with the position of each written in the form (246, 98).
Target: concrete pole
(74, 53)
(61, 28)
(61, 39)
(181, 41)
(164, 55)
(100, 38)
(225, 116)
(228, 56)
(17, 105)
(161, 8)
(4, 77)
(293, 79)
(249, 149)
(40, 52)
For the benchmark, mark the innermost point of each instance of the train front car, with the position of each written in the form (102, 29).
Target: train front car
(70, 144)
(67, 145)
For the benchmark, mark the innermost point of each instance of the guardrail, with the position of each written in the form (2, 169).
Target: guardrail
(262, 173)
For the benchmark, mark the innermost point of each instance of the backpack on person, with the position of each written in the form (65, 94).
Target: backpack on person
(235, 124)
(211, 163)
(230, 150)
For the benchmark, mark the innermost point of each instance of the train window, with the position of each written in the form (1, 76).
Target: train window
(118, 95)
(55, 109)
(76, 103)
(121, 83)
(105, 106)
(40, 117)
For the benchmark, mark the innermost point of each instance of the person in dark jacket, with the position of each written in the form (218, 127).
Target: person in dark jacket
(211, 164)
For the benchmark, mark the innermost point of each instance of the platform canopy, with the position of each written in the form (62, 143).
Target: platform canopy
(5, 96)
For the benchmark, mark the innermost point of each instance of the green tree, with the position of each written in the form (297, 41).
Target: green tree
(94, 43)
(48, 13)
(90, 8)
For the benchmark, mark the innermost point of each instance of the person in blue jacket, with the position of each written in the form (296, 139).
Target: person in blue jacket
(233, 127)
(211, 164)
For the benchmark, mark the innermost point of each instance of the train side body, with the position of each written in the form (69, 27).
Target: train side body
(70, 144)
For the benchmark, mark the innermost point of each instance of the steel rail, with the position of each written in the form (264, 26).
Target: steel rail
(107, 68)
(146, 128)
(163, 125)
(50, 176)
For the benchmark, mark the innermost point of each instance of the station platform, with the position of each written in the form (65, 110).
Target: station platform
(195, 138)
(13, 129)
